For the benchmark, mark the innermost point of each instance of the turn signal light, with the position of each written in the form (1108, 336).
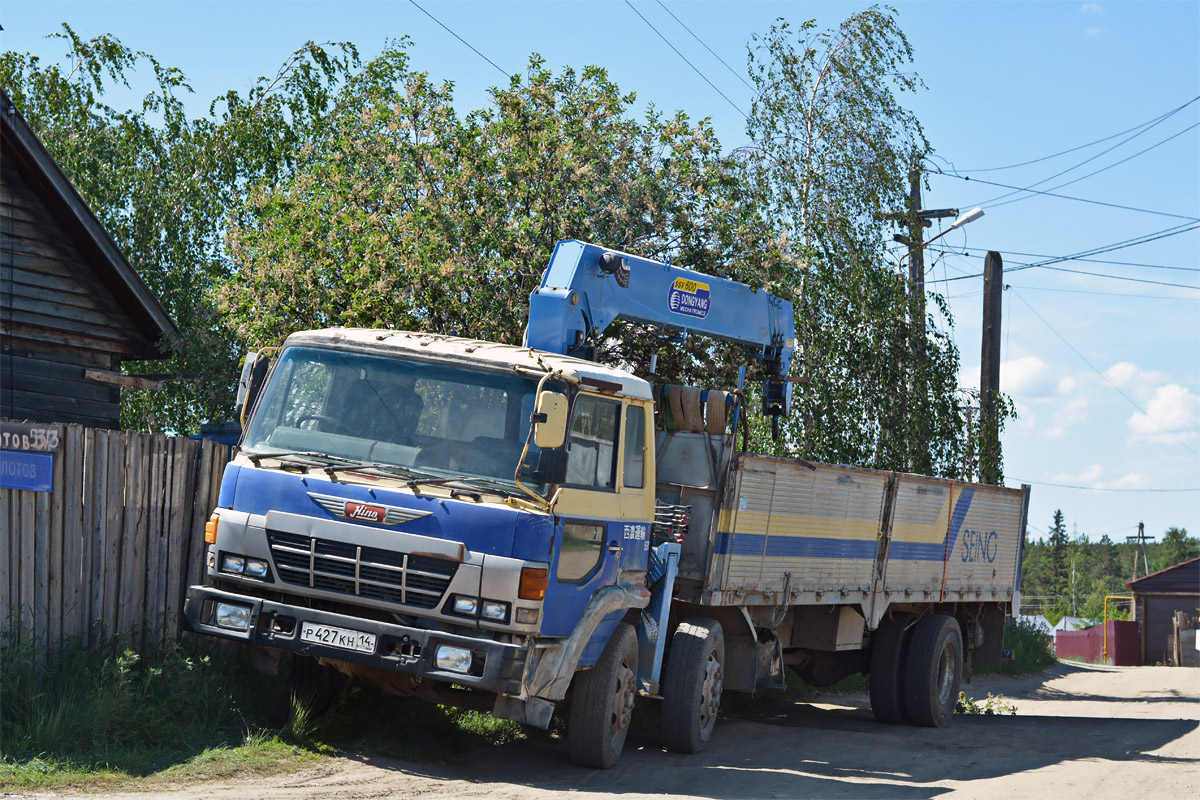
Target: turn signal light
(210, 530)
(533, 583)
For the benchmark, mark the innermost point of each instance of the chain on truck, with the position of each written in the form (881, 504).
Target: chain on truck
(419, 511)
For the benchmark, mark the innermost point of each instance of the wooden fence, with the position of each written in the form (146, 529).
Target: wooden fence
(112, 548)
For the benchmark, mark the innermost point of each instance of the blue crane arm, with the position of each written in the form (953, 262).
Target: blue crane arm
(586, 288)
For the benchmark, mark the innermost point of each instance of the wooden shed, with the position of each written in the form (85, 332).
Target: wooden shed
(1156, 599)
(71, 307)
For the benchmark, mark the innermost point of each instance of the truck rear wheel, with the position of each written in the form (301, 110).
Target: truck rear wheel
(692, 684)
(889, 653)
(602, 703)
(933, 671)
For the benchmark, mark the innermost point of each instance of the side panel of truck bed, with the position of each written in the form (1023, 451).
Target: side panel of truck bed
(792, 533)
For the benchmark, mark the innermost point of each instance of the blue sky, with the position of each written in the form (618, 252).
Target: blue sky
(1105, 373)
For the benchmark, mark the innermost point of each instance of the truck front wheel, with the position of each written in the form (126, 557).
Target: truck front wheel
(933, 671)
(692, 684)
(602, 703)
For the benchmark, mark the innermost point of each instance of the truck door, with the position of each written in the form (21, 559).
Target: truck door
(591, 522)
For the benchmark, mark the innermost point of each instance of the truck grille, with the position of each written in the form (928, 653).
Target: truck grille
(366, 572)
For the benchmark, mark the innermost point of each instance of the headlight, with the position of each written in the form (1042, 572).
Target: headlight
(466, 606)
(453, 659)
(233, 563)
(234, 617)
(495, 611)
(256, 568)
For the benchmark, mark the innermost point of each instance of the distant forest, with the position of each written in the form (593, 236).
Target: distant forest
(1065, 575)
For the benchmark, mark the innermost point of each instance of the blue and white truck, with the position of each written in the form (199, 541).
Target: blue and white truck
(422, 512)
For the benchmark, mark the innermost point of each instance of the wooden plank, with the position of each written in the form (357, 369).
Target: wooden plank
(133, 596)
(87, 511)
(55, 508)
(155, 508)
(43, 404)
(114, 521)
(44, 352)
(20, 328)
(72, 579)
(182, 499)
(41, 561)
(9, 561)
(117, 379)
(194, 546)
(53, 388)
(25, 587)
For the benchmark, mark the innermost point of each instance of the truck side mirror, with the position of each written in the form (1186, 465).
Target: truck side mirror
(550, 421)
(254, 373)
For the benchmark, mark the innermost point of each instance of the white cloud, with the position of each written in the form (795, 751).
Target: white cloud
(1028, 375)
(1173, 413)
(1127, 375)
(1091, 8)
(1131, 480)
(1090, 475)
(1072, 412)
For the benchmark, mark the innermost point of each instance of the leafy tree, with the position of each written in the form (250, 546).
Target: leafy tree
(162, 184)
(1176, 547)
(832, 149)
(412, 218)
(1056, 541)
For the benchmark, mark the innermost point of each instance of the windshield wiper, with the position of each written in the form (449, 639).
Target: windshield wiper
(311, 454)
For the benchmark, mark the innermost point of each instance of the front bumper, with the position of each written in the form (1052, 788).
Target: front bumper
(496, 666)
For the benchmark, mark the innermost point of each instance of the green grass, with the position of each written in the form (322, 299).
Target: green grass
(108, 715)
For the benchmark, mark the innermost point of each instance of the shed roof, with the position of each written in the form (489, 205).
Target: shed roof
(1184, 578)
(47, 179)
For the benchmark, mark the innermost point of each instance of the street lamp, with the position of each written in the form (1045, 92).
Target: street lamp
(963, 219)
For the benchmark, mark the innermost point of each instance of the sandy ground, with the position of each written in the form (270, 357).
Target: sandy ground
(1081, 731)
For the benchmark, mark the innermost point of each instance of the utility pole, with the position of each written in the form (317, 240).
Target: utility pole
(1140, 541)
(916, 262)
(989, 370)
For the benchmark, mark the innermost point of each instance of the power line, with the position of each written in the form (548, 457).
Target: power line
(1064, 196)
(706, 47)
(681, 55)
(1103, 169)
(464, 41)
(1122, 295)
(1144, 239)
(1089, 144)
(1100, 489)
(1088, 160)
(1114, 277)
(1083, 358)
(1089, 260)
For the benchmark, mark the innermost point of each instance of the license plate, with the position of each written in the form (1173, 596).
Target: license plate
(342, 638)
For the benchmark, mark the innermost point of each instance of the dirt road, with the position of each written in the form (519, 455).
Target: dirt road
(1080, 731)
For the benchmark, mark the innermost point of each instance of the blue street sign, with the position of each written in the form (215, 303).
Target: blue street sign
(31, 472)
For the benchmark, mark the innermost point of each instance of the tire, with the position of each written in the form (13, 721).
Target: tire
(933, 671)
(602, 702)
(889, 652)
(692, 684)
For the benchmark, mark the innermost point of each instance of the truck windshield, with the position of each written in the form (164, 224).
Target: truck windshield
(426, 418)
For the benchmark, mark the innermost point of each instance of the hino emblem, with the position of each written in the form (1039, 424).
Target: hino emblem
(376, 513)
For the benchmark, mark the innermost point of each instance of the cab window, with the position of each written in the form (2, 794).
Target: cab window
(592, 443)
